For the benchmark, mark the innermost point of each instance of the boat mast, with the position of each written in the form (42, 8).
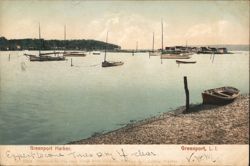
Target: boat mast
(106, 47)
(186, 45)
(153, 41)
(136, 46)
(40, 39)
(161, 39)
(64, 38)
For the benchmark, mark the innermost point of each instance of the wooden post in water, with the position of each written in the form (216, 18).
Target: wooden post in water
(213, 57)
(153, 47)
(186, 92)
(71, 63)
(64, 42)
(40, 41)
(106, 47)
(161, 40)
(136, 46)
(9, 57)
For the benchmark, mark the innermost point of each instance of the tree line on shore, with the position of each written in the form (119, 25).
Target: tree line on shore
(42, 44)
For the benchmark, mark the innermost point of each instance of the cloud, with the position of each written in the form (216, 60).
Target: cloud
(124, 29)
(218, 32)
(199, 30)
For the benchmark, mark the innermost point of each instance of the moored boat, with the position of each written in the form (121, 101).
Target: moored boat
(106, 63)
(49, 53)
(29, 55)
(185, 61)
(110, 64)
(71, 53)
(46, 58)
(154, 53)
(172, 54)
(74, 54)
(219, 96)
(96, 53)
(175, 56)
(186, 53)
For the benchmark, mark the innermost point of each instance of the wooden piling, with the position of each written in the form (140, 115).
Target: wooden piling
(213, 58)
(186, 92)
(71, 63)
(9, 57)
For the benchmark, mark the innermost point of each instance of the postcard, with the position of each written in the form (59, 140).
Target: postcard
(124, 82)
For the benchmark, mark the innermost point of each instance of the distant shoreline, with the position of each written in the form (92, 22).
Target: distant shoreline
(91, 45)
(122, 51)
(204, 124)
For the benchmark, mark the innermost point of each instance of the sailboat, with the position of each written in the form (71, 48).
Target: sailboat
(153, 53)
(106, 63)
(71, 53)
(136, 49)
(44, 56)
(186, 52)
(175, 56)
(185, 61)
(171, 54)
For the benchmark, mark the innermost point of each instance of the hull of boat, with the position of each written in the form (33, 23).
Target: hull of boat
(154, 53)
(96, 53)
(74, 55)
(47, 58)
(220, 96)
(187, 54)
(180, 61)
(30, 55)
(111, 64)
(50, 53)
(175, 56)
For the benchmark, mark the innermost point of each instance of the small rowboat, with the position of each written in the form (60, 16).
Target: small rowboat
(111, 64)
(96, 53)
(220, 96)
(183, 61)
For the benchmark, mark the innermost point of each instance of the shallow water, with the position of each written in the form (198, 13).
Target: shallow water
(54, 103)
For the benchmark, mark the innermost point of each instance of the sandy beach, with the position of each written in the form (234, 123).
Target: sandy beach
(203, 124)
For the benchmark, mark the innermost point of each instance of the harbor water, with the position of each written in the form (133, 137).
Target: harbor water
(56, 103)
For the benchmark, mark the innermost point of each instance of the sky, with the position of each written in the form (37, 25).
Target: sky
(129, 22)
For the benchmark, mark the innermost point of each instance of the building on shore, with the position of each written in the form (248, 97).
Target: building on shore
(198, 50)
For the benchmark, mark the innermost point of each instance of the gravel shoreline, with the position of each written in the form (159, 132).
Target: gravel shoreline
(204, 124)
